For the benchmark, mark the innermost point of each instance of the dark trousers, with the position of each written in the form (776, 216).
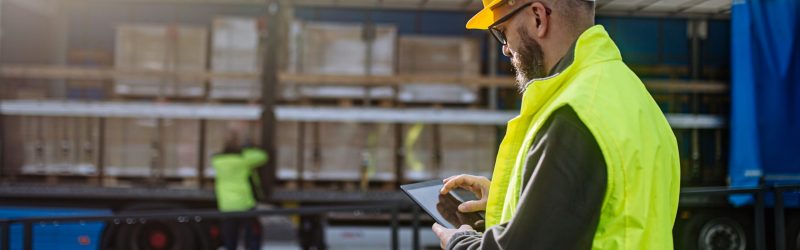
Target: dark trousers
(312, 232)
(252, 233)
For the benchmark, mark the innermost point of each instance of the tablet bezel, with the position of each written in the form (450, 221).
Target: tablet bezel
(433, 210)
(407, 189)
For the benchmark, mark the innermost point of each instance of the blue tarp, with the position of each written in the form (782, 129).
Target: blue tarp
(765, 82)
(61, 236)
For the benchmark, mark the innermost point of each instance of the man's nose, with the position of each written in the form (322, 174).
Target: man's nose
(506, 51)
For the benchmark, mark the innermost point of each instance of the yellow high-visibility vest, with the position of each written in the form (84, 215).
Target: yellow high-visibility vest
(233, 174)
(638, 145)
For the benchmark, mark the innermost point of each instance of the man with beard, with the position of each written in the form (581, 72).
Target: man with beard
(590, 162)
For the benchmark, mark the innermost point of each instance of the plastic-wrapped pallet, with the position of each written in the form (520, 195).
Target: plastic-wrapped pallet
(441, 56)
(235, 49)
(73, 146)
(34, 144)
(160, 48)
(348, 148)
(54, 148)
(288, 137)
(87, 146)
(180, 139)
(129, 146)
(468, 149)
(58, 145)
(139, 148)
(318, 48)
(344, 149)
(464, 149)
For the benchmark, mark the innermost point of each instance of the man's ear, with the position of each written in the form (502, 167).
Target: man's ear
(542, 20)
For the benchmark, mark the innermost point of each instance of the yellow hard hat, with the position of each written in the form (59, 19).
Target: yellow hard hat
(485, 17)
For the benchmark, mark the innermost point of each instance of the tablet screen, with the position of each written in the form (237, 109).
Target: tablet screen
(443, 208)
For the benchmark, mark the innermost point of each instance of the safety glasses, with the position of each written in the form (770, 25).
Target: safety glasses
(499, 34)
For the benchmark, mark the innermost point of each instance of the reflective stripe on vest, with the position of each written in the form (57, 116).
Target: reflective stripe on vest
(639, 148)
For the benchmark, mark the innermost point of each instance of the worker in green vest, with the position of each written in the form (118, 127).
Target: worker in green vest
(590, 162)
(235, 169)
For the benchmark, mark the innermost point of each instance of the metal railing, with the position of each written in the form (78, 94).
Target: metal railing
(189, 216)
(759, 207)
(197, 216)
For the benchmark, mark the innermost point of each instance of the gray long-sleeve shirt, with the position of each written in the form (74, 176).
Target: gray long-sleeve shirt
(564, 186)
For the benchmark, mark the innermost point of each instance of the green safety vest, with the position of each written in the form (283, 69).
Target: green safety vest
(232, 184)
(639, 148)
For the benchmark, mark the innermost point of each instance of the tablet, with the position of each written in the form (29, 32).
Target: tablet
(444, 208)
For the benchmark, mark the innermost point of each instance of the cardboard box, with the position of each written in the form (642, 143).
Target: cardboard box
(180, 142)
(464, 149)
(142, 148)
(32, 144)
(437, 55)
(57, 145)
(235, 49)
(344, 149)
(160, 48)
(318, 48)
(288, 137)
(130, 146)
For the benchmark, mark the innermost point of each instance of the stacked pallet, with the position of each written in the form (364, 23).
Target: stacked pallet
(156, 48)
(335, 151)
(235, 49)
(318, 48)
(58, 145)
(441, 56)
(441, 151)
(342, 151)
(349, 151)
(151, 148)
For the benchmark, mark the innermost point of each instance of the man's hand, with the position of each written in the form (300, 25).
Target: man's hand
(445, 234)
(477, 184)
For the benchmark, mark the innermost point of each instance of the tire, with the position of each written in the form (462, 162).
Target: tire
(107, 240)
(156, 235)
(202, 236)
(715, 231)
(793, 232)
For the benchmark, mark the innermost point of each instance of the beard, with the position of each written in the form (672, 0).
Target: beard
(528, 61)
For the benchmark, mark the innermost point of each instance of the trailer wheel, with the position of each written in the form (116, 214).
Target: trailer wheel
(713, 231)
(793, 232)
(204, 235)
(722, 233)
(156, 235)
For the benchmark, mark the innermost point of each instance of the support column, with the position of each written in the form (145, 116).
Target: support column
(269, 82)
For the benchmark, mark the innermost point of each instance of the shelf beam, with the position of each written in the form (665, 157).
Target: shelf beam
(299, 113)
(58, 72)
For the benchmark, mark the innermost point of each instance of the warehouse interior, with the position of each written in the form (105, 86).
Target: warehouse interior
(110, 107)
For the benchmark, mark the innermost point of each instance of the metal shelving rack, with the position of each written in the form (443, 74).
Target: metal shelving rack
(268, 112)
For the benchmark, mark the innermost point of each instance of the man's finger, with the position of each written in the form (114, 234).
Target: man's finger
(450, 182)
(437, 229)
(465, 227)
(472, 206)
(453, 183)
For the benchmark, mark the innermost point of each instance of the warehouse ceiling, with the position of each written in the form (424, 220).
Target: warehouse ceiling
(655, 8)
(677, 8)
